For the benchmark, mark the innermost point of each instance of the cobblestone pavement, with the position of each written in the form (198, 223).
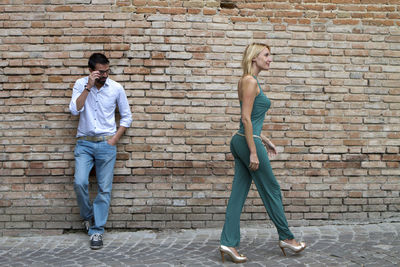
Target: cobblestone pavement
(333, 245)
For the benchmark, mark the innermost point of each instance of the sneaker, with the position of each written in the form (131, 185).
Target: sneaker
(96, 241)
(87, 224)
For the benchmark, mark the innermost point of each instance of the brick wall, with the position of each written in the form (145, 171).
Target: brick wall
(335, 114)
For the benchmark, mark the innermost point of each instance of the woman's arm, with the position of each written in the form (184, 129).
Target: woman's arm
(271, 149)
(249, 91)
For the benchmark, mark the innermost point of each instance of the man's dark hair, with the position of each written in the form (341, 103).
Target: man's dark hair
(97, 58)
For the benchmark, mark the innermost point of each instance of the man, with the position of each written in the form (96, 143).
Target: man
(94, 99)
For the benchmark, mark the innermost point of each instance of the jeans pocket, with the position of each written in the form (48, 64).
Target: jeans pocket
(110, 148)
(110, 145)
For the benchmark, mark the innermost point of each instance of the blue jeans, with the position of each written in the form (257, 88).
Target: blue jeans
(102, 156)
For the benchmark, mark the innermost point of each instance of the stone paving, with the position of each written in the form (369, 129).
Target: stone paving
(333, 245)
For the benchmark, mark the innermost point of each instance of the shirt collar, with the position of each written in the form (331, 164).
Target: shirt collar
(107, 81)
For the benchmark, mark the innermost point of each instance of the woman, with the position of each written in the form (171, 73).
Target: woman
(251, 159)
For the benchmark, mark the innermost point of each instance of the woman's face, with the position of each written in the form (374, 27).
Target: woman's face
(263, 59)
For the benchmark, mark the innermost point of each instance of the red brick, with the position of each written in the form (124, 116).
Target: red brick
(243, 19)
(173, 11)
(207, 11)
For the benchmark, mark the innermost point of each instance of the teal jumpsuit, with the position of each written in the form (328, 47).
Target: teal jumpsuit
(264, 179)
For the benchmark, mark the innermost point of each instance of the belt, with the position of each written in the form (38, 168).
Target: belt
(95, 138)
(244, 135)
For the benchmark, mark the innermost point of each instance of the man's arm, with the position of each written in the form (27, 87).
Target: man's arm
(80, 102)
(126, 117)
(76, 92)
(114, 140)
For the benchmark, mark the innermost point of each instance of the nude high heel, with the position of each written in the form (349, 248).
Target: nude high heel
(236, 259)
(296, 249)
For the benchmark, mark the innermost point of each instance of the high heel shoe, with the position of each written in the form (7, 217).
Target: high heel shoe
(296, 249)
(236, 259)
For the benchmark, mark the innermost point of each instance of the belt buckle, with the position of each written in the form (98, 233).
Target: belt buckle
(99, 138)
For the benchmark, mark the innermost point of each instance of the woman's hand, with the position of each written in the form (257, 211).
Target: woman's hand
(271, 149)
(254, 163)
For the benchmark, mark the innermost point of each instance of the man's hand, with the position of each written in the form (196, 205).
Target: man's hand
(113, 141)
(94, 75)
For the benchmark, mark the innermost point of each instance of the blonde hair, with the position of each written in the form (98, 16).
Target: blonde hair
(251, 52)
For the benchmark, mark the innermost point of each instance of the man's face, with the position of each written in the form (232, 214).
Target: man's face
(104, 71)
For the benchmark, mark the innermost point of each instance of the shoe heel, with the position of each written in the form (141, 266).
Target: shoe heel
(222, 256)
(283, 250)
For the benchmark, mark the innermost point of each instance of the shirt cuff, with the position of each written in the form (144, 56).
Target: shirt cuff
(125, 122)
(72, 108)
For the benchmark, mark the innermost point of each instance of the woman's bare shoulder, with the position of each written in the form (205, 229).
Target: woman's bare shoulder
(248, 84)
(248, 80)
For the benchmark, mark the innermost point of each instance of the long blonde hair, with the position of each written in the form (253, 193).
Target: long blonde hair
(251, 52)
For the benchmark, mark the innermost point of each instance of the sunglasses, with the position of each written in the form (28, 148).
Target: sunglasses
(102, 72)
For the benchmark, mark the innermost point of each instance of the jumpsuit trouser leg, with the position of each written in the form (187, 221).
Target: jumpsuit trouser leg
(267, 187)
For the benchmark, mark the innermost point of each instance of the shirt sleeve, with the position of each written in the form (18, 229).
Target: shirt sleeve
(124, 109)
(76, 92)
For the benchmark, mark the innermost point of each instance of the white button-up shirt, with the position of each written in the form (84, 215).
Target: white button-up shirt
(97, 116)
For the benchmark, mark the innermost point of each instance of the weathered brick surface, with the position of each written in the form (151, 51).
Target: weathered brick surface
(334, 86)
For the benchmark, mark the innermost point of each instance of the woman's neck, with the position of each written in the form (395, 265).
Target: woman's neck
(256, 70)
